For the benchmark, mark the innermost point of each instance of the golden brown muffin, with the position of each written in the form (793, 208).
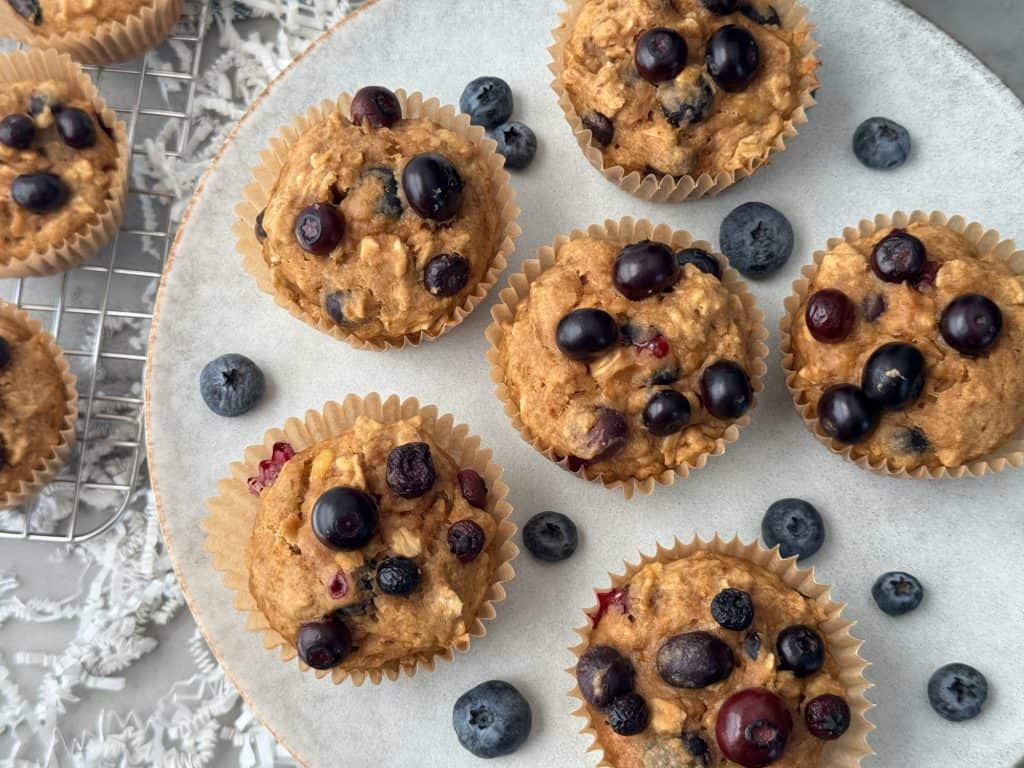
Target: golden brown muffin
(57, 17)
(691, 123)
(674, 644)
(969, 402)
(404, 584)
(58, 167)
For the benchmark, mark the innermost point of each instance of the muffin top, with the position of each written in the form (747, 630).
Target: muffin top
(56, 17)
(384, 226)
(372, 547)
(33, 402)
(689, 653)
(671, 87)
(910, 345)
(628, 360)
(58, 163)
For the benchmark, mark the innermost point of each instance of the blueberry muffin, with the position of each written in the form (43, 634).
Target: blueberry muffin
(58, 17)
(381, 227)
(59, 168)
(686, 87)
(908, 346)
(710, 660)
(628, 360)
(372, 549)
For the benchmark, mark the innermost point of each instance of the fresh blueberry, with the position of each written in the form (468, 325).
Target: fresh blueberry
(319, 228)
(488, 101)
(17, 131)
(231, 385)
(800, 650)
(725, 390)
(389, 204)
(628, 715)
(721, 7)
(897, 592)
(767, 17)
(694, 660)
(795, 526)
(894, 375)
(827, 717)
(971, 323)
(432, 186)
(446, 274)
(492, 719)
(76, 127)
(344, 519)
(585, 334)
(732, 57)
(881, 144)
(733, 609)
(398, 576)
(550, 536)
(473, 488)
(410, 470)
(957, 692)
(660, 54)
(324, 644)
(601, 128)
(846, 414)
(466, 540)
(757, 239)
(899, 257)
(376, 105)
(39, 192)
(5, 353)
(701, 259)
(603, 674)
(517, 143)
(666, 413)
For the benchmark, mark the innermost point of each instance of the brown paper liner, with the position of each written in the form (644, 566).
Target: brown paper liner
(413, 106)
(110, 42)
(1010, 454)
(79, 245)
(52, 463)
(232, 515)
(846, 752)
(672, 189)
(624, 232)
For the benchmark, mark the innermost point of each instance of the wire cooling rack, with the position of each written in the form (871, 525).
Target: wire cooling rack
(100, 312)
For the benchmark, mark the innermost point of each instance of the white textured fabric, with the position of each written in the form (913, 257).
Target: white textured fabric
(126, 591)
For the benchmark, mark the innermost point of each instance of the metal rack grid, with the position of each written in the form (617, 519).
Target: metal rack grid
(89, 309)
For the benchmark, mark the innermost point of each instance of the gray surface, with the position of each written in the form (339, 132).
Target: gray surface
(961, 538)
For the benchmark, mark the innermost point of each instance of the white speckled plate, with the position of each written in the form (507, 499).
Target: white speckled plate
(965, 539)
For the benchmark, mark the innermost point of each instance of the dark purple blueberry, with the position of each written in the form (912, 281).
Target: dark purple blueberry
(17, 131)
(39, 192)
(733, 609)
(794, 526)
(665, 377)
(694, 660)
(686, 101)
(666, 413)
(487, 100)
(873, 306)
(323, 644)
(725, 390)
(398, 576)
(410, 470)
(601, 128)
(492, 719)
(319, 228)
(644, 269)
(466, 540)
(446, 274)
(898, 258)
(473, 488)
(752, 727)
(768, 17)
(881, 144)
(971, 323)
(894, 375)
(846, 414)
(608, 434)
(830, 316)
(5, 353)
(721, 7)
(585, 334)
(517, 143)
(30, 10)
(732, 57)
(897, 593)
(752, 645)
(261, 233)
(628, 715)
(334, 306)
(957, 692)
(800, 650)
(432, 186)
(76, 127)
(701, 259)
(389, 204)
(660, 54)
(827, 717)
(376, 105)
(603, 674)
(550, 536)
(344, 518)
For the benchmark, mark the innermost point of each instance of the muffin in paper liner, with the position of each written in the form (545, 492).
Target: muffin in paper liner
(79, 245)
(51, 465)
(413, 106)
(110, 42)
(846, 752)
(672, 189)
(1010, 454)
(624, 232)
(232, 513)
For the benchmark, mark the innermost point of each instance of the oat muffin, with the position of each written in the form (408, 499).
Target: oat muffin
(685, 87)
(710, 660)
(909, 346)
(34, 402)
(628, 359)
(380, 226)
(58, 17)
(372, 547)
(59, 168)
